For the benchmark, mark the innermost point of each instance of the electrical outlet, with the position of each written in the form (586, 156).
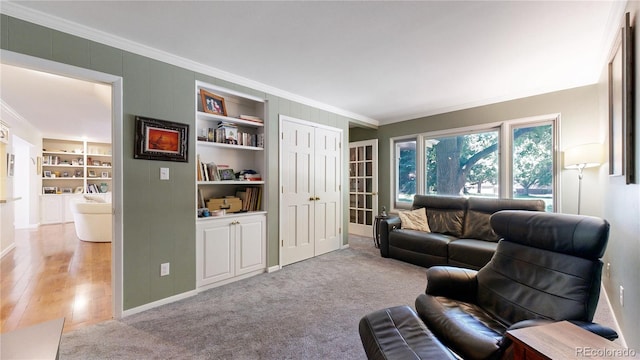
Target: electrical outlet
(621, 296)
(164, 269)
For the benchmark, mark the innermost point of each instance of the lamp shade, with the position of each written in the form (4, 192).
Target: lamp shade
(583, 156)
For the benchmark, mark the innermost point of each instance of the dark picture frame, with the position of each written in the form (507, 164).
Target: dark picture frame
(161, 140)
(212, 103)
(621, 105)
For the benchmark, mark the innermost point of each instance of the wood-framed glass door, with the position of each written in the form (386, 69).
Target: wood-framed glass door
(363, 186)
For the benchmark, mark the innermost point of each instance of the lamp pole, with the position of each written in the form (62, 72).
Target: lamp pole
(580, 168)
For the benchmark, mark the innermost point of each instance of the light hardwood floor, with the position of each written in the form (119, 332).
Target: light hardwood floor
(52, 274)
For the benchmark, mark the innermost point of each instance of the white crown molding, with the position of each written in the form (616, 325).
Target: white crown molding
(56, 23)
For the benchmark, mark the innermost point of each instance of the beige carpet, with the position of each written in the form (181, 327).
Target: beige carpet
(307, 310)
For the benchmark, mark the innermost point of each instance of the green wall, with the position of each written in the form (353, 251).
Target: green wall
(159, 216)
(578, 109)
(361, 134)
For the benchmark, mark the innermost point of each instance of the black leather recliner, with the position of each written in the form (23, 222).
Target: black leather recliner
(546, 268)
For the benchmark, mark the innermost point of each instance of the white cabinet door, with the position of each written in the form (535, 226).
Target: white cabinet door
(51, 209)
(250, 244)
(230, 247)
(215, 252)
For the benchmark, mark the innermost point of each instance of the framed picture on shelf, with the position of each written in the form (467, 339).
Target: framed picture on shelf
(78, 190)
(92, 173)
(161, 140)
(212, 103)
(227, 174)
(105, 174)
(46, 173)
(66, 190)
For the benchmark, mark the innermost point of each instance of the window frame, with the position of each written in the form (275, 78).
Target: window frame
(394, 164)
(505, 158)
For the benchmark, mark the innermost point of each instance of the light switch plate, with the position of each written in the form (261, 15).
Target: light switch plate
(164, 173)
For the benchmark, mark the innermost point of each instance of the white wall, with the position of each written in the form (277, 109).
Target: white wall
(22, 129)
(621, 207)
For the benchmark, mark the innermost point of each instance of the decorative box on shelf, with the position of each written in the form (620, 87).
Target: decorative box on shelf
(230, 204)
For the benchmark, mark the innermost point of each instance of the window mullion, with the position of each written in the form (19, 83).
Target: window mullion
(421, 179)
(505, 149)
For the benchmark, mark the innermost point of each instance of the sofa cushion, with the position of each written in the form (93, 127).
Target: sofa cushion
(445, 213)
(523, 282)
(477, 224)
(582, 236)
(463, 327)
(398, 333)
(414, 220)
(471, 253)
(420, 241)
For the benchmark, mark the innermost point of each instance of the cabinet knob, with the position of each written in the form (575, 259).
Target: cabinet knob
(311, 198)
(317, 198)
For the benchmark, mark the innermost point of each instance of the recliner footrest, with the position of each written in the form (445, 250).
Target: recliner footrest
(398, 333)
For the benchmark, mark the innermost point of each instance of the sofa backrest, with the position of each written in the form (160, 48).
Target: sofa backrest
(479, 210)
(547, 266)
(445, 214)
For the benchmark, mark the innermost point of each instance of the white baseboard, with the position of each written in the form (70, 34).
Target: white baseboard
(274, 268)
(613, 315)
(8, 250)
(346, 246)
(161, 302)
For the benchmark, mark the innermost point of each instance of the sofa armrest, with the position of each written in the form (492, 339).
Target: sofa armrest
(386, 226)
(597, 329)
(452, 282)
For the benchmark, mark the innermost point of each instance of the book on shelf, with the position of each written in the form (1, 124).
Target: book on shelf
(207, 171)
(93, 189)
(251, 198)
(251, 118)
(202, 202)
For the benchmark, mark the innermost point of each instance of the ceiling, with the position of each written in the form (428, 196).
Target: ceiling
(377, 61)
(60, 107)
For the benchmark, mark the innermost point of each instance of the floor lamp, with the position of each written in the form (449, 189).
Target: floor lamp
(581, 157)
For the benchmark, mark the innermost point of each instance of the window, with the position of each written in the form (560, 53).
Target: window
(532, 163)
(463, 164)
(470, 162)
(405, 171)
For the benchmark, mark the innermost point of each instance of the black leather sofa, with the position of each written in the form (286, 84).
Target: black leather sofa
(460, 231)
(546, 268)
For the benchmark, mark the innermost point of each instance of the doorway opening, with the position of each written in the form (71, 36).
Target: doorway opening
(27, 217)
